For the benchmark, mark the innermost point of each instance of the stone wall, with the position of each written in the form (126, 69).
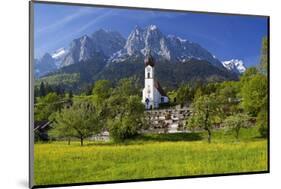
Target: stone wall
(169, 120)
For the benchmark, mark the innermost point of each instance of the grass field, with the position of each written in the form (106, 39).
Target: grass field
(149, 156)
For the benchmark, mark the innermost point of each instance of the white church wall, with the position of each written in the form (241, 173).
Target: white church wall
(149, 69)
(149, 89)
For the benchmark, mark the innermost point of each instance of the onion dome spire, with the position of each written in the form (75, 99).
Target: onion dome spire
(149, 60)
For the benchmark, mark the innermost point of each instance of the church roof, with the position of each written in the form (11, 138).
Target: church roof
(159, 88)
(149, 60)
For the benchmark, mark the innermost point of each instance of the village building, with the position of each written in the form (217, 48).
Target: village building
(152, 94)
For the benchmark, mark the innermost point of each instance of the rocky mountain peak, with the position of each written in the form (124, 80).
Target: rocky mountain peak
(108, 42)
(46, 58)
(169, 48)
(44, 65)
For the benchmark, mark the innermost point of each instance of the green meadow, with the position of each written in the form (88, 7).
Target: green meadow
(149, 156)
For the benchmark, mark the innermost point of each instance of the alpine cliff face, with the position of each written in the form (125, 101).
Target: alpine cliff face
(81, 49)
(168, 48)
(101, 45)
(108, 42)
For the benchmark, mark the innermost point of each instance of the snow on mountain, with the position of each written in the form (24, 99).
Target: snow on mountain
(59, 53)
(152, 27)
(58, 56)
(170, 48)
(234, 65)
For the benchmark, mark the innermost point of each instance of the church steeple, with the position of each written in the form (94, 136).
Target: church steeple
(149, 67)
(152, 93)
(149, 60)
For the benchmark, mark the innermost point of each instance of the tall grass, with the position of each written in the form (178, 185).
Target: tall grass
(149, 156)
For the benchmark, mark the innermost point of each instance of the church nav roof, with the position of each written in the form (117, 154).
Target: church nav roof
(159, 88)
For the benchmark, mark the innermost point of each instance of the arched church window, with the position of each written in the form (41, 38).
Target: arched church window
(148, 75)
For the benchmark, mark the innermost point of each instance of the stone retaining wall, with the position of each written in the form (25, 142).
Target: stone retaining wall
(170, 120)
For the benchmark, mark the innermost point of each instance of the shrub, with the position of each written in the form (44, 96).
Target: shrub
(262, 123)
(123, 129)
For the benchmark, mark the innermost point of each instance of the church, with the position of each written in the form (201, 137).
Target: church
(152, 93)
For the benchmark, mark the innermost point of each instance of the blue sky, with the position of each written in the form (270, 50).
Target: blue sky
(225, 36)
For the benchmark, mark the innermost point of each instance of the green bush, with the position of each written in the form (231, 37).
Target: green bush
(123, 129)
(262, 123)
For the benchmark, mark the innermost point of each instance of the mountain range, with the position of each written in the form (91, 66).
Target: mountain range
(105, 51)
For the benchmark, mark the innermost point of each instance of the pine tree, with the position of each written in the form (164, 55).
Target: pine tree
(48, 88)
(70, 94)
(42, 90)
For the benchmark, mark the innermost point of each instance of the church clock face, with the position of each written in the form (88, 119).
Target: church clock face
(148, 69)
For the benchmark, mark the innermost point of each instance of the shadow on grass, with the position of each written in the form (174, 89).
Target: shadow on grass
(146, 138)
(170, 137)
(259, 138)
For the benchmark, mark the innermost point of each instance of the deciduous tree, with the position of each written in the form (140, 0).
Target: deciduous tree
(235, 122)
(205, 113)
(126, 112)
(80, 120)
(254, 94)
(101, 91)
(184, 95)
(47, 105)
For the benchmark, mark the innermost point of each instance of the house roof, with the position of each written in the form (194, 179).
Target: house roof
(149, 60)
(42, 125)
(159, 88)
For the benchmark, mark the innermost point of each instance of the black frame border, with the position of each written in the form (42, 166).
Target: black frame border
(31, 91)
